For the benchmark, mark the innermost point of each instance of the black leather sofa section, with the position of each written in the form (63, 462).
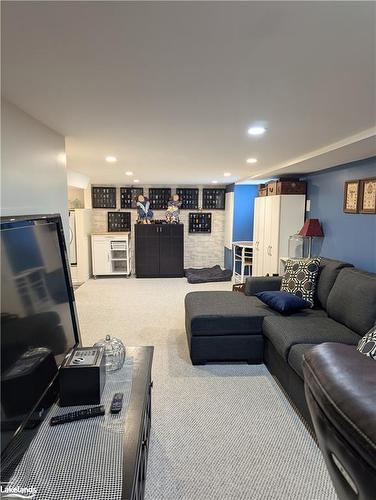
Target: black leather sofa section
(230, 326)
(341, 393)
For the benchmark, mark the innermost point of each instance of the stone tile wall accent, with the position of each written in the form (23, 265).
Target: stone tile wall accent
(200, 250)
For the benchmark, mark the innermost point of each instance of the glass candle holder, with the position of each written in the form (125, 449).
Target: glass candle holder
(114, 351)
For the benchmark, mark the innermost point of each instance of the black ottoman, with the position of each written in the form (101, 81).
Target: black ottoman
(224, 326)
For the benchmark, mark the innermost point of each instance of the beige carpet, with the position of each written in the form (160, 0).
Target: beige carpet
(219, 432)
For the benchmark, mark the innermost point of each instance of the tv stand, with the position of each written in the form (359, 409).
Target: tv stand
(106, 456)
(137, 425)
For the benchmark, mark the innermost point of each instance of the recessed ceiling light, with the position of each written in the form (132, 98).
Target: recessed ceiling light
(251, 160)
(111, 159)
(129, 173)
(136, 181)
(256, 130)
(227, 174)
(214, 182)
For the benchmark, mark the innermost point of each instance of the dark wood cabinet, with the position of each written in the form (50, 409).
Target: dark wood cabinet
(159, 250)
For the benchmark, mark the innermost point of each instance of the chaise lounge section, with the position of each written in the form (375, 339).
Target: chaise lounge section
(230, 326)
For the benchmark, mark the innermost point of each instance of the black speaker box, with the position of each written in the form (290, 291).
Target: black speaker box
(82, 377)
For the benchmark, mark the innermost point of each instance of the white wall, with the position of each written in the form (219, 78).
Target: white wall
(34, 176)
(229, 219)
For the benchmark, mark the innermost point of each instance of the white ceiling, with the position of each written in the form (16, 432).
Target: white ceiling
(170, 88)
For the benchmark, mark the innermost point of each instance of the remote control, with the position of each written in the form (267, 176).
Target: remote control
(117, 403)
(97, 411)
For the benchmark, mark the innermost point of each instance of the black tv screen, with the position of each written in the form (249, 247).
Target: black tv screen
(38, 321)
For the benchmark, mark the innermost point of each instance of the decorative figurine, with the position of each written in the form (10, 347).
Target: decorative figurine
(145, 214)
(173, 210)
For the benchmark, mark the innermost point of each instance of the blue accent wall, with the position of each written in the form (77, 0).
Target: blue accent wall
(244, 197)
(244, 202)
(348, 237)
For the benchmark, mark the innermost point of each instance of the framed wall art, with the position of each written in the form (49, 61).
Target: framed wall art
(159, 197)
(367, 196)
(188, 198)
(118, 221)
(213, 199)
(200, 222)
(128, 196)
(351, 197)
(103, 197)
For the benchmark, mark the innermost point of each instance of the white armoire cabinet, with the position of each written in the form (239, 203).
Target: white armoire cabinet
(276, 218)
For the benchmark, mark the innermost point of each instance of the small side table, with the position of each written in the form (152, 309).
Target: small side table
(242, 253)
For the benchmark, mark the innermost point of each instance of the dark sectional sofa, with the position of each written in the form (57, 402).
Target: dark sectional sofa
(231, 326)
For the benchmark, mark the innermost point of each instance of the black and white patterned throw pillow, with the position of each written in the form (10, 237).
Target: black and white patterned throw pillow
(301, 277)
(367, 344)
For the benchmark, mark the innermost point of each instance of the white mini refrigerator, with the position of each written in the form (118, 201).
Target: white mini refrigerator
(72, 238)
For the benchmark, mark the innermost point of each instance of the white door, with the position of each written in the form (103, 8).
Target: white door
(258, 236)
(101, 257)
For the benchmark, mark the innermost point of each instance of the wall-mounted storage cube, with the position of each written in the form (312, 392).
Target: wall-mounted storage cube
(128, 196)
(213, 199)
(118, 221)
(200, 222)
(188, 198)
(159, 197)
(103, 197)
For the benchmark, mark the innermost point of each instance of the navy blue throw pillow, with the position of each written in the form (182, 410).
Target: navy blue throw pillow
(283, 302)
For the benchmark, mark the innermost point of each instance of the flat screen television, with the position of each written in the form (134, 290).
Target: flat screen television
(39, 326)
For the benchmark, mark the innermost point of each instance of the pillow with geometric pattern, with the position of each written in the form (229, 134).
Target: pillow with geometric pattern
(301, 278)
(367, 344)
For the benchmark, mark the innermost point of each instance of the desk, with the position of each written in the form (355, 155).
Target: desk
(242, 252)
